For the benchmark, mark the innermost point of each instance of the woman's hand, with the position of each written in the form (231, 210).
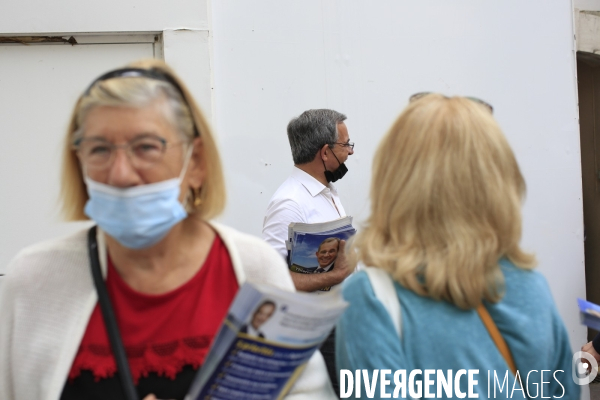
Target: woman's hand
(150, 397)
(589, 348)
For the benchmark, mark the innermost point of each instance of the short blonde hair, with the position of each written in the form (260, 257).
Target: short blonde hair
(446, 199)
(183, 113)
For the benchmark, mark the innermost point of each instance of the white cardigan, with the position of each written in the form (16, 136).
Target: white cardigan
(48, 296)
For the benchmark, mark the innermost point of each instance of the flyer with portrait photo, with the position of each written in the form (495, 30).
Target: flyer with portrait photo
(264, 343)
(313, 248)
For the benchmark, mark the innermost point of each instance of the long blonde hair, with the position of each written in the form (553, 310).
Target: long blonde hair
(446, 199)
(184, 114)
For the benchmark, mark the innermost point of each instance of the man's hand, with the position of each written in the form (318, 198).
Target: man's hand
(313, 282)
(341, 269)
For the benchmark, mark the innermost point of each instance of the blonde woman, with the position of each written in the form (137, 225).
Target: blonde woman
(445, 223)
(141, 162)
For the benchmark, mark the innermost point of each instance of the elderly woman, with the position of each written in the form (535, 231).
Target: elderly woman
(141, 162)
(445, 223)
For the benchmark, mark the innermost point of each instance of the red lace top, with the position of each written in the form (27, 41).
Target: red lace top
(161, 333)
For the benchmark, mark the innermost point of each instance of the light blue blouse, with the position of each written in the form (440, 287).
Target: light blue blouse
(437, 335)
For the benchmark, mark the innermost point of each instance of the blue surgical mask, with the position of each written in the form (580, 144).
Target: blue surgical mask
(139, 216)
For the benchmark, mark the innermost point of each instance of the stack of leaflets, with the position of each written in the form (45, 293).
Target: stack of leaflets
(264, 343)
(313, 248)
(589, 314)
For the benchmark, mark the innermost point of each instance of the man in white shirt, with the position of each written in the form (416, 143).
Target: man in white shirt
(320, 145)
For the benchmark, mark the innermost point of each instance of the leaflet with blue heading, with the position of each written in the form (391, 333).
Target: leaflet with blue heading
(264, 343)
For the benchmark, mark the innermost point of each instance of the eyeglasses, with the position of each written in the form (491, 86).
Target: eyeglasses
(143, 151)
(348, 144)
(420, 95)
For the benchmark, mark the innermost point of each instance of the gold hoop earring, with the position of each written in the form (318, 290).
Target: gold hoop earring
(197, 198)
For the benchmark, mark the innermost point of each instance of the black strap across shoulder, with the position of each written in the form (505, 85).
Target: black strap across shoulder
(110, 321)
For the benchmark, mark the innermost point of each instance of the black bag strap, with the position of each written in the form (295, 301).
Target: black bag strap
(110, 321)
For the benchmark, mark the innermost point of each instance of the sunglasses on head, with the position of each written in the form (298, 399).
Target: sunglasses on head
(420, 95)
(153, 73)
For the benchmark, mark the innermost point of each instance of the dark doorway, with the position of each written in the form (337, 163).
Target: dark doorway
(588, 82)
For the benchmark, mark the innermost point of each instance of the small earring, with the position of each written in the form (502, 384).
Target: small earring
(197, 198)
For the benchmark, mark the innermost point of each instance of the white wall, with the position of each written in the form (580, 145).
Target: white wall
(38, 16)
(274, 59)
(184, 23)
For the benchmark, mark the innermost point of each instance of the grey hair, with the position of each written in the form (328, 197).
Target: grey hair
(138, 92)
(309, 132)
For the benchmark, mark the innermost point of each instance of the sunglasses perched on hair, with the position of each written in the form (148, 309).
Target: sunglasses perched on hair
(420, 95)
(153, 73)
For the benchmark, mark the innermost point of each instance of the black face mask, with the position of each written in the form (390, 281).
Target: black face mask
(339, 173)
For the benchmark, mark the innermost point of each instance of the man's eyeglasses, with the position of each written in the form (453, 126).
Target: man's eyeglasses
(348, 144)
(143, 151)
(417, 96)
